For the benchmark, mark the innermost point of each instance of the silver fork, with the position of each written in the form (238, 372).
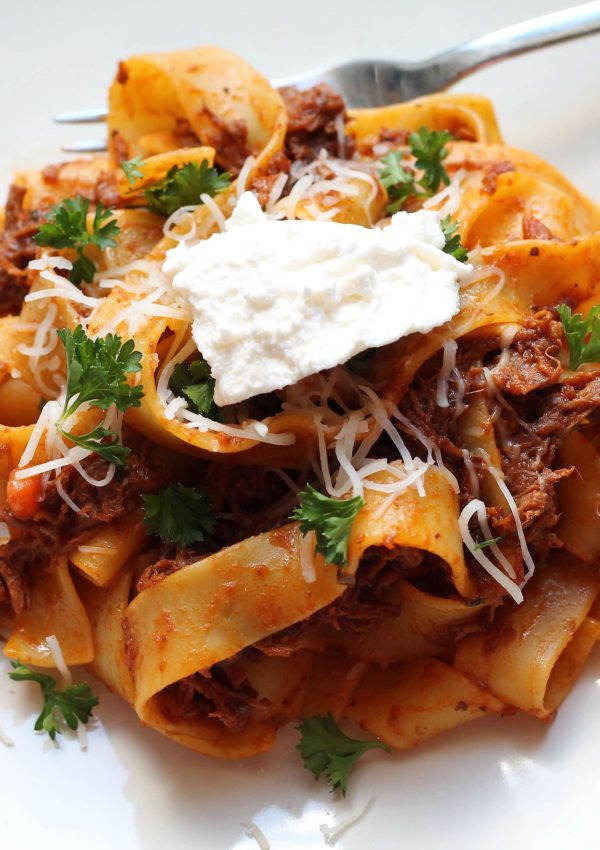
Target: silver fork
(380, 82)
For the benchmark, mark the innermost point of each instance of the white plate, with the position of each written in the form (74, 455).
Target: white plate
(510, 784)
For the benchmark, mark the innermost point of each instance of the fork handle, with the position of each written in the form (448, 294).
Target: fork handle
(575, 22)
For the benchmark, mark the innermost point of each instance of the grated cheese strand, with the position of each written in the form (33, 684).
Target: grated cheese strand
(306, 551)
(214, 209)
(450, 348)
(59, 660)
(332, 833)
(254, 831)
(475, 506)
(529, 562)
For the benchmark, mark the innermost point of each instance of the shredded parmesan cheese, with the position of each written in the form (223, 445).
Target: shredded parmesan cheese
(332, 833)
(59, 661)
(8, 742)
(476, 506)
(529, 563)
(253, 831)
(307, 559)
(448, 367)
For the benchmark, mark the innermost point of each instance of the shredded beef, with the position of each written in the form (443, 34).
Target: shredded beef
(223, 693)
(533, 228)
(362, 604)
(56, 529)
(167, 565)
(264, 182)
(17, 248)
(313, 117)
(16, 558)
(491, 174)
(533, 358)
(528, 441)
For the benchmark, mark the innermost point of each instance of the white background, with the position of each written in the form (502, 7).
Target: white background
(512, 784)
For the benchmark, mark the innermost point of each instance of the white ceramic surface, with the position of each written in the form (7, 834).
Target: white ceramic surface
(507, 784)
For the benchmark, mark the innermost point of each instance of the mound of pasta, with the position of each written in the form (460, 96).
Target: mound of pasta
(300, 414)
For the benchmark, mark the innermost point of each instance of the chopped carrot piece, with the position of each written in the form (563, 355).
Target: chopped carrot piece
(23, 495)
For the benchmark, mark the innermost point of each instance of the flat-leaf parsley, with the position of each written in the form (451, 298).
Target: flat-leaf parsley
(75, 703)
(66, 227)
(330, 519)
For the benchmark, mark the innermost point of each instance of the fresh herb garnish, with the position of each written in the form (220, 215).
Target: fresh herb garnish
(183, 186)
(399, 182)
(179, 514)
(74, 703)
(429, 149)
(483, 544)
(195, 383)
(113, 451)
(453, 245)
(583, 335)
(96, 370)
(330, 519)
(131, 169)
(324, 748)
(66, 227)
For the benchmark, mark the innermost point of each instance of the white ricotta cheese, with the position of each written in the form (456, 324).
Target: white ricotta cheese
(276, 301)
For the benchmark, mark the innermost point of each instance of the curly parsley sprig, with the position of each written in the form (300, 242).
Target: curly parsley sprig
(194, 382)
(66, 227)
(583, 335)
(75, 703)
(132, 170)
(183, 186)
(453, 244)
(179, 514)
(429, 150)
(96, 371)
(330, 519)
(324, 748)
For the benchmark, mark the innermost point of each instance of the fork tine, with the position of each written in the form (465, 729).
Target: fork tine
(85, 146)
(84, 116)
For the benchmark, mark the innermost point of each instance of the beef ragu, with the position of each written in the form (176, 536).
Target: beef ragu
(540, 409)
(354, 361)
(17, 248)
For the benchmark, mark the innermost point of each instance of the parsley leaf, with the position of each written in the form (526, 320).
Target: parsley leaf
(483, 544)
(453, 245)
(66, 227)
(330, 519)
(179, 514)
(399, 182)
(324, 748)
(194, 382)
(131, 169)
(74, 703)
(183, 186)
(583, 335)
(429, 149)
(113, 451)
(96, 370)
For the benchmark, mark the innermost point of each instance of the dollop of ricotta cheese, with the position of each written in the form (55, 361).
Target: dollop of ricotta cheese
(276, 301)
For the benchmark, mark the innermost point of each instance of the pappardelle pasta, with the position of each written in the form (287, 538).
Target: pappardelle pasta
(299, 414)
